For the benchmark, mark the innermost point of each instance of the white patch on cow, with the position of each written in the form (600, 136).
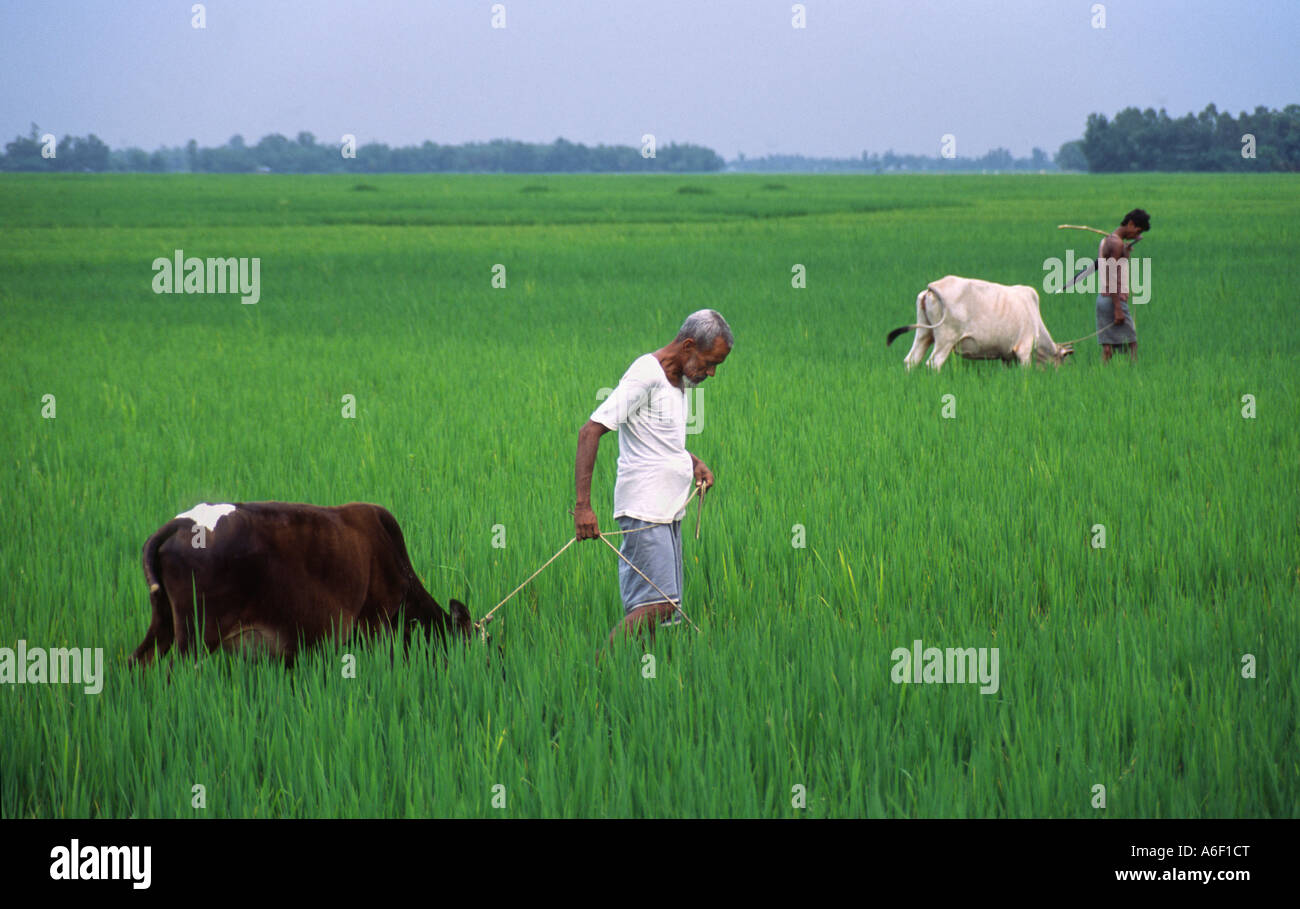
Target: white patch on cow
(207, 515)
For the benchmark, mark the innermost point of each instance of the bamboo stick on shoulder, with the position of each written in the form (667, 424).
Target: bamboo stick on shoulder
(1104, 233)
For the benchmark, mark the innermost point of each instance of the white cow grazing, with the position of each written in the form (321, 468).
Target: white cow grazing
(981, 321)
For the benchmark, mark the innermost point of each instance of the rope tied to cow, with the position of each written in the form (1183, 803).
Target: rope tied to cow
(481, 624)
(1084, 338)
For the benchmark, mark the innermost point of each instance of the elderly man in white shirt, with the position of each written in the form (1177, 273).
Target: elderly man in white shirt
(655, 471)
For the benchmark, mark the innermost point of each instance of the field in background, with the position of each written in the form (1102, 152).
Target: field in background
(1119, 667)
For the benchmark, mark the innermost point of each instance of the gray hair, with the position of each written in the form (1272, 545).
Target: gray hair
(704, 326)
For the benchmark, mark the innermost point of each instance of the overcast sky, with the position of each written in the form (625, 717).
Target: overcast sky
(730, 74)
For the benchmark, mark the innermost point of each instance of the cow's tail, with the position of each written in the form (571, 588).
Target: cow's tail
(904, 329)
(160, 632)
(151, 545)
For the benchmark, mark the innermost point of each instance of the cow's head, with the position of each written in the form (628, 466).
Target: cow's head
(1062, 351)
(461, 623)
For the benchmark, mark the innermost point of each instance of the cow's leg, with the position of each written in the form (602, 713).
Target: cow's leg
(197, 627)
(920, 344)
(187, 606)
(256, 640)
(144, 654)
(158, 639)
(942, 350)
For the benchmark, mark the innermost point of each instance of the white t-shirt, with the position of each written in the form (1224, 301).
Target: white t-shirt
(655, 472)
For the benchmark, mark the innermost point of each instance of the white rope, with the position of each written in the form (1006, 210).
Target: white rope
(481, 624)
(667, 598)
(1084, 338)
(483, 621)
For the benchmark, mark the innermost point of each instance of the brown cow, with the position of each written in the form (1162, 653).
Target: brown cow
(276, 577)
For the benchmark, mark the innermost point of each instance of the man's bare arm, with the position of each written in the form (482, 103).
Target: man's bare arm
(584, 519)
(701, 471)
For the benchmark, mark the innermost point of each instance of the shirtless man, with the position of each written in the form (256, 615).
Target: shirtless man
(1114, 321)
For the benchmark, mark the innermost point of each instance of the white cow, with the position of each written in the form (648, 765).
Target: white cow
(981, 321)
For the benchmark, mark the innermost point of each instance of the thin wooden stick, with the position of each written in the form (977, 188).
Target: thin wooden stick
(1094, 230)
(1104, 233)
(699, 510)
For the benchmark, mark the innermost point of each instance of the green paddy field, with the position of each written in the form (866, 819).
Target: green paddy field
(1161, 667)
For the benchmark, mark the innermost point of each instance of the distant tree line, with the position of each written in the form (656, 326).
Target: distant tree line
(1209, 141)
(999, 159)
(304, 155)
(1266, 140)
(70, 153)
